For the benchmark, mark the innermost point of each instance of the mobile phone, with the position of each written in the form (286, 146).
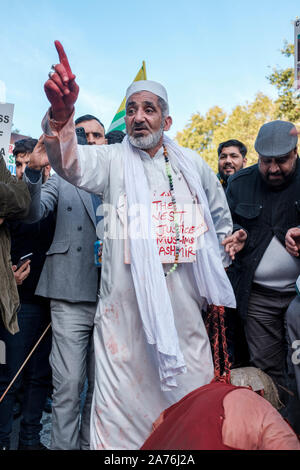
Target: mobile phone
(81, 136)
(23, 259)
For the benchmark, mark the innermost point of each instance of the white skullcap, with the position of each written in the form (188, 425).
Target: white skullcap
(147, 85)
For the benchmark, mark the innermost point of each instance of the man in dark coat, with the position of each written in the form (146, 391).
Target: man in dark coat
(14, 203)
(265, 203)
(33, 318)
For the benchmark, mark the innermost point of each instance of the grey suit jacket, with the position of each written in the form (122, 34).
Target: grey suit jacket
(69, 272)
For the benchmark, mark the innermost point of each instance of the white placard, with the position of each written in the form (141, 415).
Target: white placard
(191, 224)
(6, 116)
(297, 55)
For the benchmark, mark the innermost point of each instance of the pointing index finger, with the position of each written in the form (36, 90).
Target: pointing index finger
(64, 59)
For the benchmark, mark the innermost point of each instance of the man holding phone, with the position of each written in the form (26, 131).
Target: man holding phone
(14, 203)
(29, 244)
(21, 270)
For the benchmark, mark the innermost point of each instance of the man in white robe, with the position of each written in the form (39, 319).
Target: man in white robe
(151, 346)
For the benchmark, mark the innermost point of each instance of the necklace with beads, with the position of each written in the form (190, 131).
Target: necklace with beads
(176, 224)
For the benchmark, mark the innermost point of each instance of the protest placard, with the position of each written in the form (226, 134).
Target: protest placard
(6, 116)
(190, 226)
(188, 216)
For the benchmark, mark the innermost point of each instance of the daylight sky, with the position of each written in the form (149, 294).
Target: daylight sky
(206, 53)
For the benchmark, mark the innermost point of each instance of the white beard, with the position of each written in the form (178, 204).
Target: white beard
(146, 142)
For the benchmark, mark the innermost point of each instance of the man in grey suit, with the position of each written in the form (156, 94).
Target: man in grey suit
(70, 279)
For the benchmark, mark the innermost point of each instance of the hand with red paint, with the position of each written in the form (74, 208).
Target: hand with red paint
(61, 88)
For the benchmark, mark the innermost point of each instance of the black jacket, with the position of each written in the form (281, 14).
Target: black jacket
(263, 212)
(33, 238)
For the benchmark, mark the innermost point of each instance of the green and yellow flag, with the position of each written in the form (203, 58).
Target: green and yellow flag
(118, 122)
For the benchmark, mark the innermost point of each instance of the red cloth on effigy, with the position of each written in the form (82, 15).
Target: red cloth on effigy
(194, 423)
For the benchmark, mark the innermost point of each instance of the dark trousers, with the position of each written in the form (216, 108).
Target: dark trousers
(293, 326)
(236, 340)
(270, 346)
(265, 330)
(35, 377)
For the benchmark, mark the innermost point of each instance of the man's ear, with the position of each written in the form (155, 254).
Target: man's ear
(244, 162)
(168, 123)
(105, 142)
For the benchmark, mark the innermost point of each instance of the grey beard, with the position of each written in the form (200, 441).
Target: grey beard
(146, 142)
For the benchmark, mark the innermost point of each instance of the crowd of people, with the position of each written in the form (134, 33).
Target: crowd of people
(129, 325)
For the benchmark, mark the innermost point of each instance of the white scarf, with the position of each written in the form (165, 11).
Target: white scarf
(147, 272)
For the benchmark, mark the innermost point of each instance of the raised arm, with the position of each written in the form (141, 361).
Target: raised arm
(84, 166)
(44, 198)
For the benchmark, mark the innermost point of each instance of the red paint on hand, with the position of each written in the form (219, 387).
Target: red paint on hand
(62, 99)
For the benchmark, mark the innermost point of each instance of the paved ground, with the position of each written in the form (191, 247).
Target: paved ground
(46, 422)
(45, 433)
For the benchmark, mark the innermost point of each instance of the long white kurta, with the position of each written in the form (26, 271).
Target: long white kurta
(127, 395)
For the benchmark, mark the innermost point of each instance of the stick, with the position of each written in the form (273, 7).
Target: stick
(26, 360)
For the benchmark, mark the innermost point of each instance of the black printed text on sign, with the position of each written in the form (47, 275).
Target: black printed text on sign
(6, 116)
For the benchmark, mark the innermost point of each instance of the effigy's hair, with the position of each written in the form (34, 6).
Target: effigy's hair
(216, 331)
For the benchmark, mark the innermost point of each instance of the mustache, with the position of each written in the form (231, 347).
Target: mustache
(139, 127)
(228, 165)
